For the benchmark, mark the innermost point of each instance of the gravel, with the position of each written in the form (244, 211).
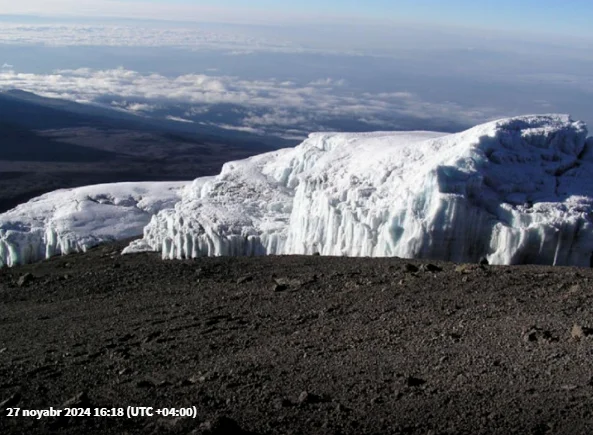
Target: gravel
(297, 345)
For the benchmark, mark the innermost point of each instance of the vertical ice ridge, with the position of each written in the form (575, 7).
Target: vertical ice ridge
(73, 220)
(515, 190)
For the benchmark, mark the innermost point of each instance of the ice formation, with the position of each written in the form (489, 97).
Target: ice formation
(517, 190)
(72, 220)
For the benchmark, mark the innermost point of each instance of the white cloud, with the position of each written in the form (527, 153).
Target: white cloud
(265, 104)
(328, 82)
(240, 128)
(178, 119)
(134, 107)
(404, 41)
(133, 36)
(277, 117)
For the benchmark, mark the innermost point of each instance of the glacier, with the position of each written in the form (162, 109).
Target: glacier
(514, 191)
(73, 220)
(517, 190)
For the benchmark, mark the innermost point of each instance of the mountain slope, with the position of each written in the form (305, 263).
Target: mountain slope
(40, 113)
(296, 345)
(47, 144)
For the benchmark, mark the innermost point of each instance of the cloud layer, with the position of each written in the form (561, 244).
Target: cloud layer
(266, 106)
(176, 11)
(136, 36)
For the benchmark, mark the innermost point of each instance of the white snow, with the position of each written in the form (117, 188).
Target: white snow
(518, 190)
(72, 220)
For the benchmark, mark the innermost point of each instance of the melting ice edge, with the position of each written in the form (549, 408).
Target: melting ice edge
(517, 190)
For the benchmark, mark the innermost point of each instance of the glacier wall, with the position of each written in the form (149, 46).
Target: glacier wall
(517, 190)
(72, 220)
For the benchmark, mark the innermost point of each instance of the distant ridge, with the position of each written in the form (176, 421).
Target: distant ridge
(47, 144)
(36, 112)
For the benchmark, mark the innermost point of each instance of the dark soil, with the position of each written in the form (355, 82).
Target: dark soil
(297, 345)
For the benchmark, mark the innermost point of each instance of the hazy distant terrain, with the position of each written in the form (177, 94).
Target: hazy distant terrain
(48, 144)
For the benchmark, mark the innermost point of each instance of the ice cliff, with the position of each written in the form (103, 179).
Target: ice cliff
(517, 190)
(72, 220)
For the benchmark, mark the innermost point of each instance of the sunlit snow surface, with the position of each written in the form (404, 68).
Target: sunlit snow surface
(518, 190)
(72, 220)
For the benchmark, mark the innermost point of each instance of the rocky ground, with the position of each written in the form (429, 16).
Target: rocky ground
(297, 345)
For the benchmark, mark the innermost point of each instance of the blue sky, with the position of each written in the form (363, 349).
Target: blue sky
(492, 13)
(570, 17)
(326, 65)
